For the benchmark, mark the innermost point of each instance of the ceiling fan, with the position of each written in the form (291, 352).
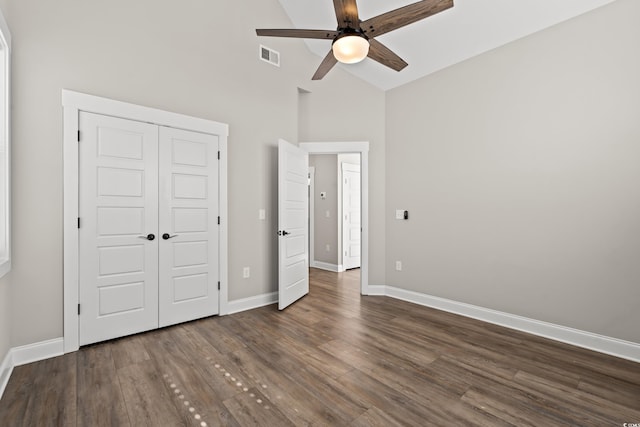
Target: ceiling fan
(354, 39)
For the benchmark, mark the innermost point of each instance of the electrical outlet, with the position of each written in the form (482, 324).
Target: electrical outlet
(246, 273)
(262, 214)
(328, 248)
(328, 214)
(398, 265)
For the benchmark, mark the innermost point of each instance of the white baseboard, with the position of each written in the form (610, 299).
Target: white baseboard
(336, 268)
(6, 367)
(250, 303)
(22, 355)
(378, 290)
(600, 343)
(37, 351)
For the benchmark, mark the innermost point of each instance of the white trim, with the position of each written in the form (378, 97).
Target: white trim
(250, 303)
(37, 351)
(125, 110)
(608, 345)
(377, 290)
(5, 140)
(327, 266)
(6, 368)
(74, 103)
(312, 216)
(223, 304)
(363, 149)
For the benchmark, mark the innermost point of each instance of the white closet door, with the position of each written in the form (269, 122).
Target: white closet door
(351, 216)
(188, 230)
(118, 207)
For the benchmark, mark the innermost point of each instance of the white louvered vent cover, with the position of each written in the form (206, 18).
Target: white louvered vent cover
(270, 56)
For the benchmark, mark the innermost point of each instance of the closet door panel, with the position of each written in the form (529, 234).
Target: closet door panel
(188, 215)
(118, 207)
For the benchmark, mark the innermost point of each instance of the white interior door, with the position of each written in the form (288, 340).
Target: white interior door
(351, 216)
(118, 244)
(293, 226)
(188, 230)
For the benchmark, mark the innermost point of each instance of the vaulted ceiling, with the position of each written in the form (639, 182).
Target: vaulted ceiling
(468, 29)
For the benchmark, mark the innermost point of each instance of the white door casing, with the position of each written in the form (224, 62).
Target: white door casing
(188, 231)
(350, 216)
(75, 103)
(293, 225)
(118, 243)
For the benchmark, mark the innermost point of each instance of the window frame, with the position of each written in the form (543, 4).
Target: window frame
(5, 147)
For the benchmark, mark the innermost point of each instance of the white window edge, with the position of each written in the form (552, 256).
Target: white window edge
(5, 43)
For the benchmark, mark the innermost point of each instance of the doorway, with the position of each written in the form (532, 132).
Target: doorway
(334, 211)
(361, 149)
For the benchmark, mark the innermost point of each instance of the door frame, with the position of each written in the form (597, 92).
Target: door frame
(75, 102)
(312, 189)
(361, 148)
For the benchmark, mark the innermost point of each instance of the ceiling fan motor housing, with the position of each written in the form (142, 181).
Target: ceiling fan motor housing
(350, 46)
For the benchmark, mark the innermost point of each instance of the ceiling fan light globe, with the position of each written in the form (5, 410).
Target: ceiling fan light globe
(350, 49)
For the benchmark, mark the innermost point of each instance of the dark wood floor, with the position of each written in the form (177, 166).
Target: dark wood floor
(334, 358)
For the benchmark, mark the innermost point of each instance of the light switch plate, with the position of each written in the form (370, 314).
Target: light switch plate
(399, 213)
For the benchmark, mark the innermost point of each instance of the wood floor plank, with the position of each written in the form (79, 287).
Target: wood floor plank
(374, 417)
(128, 351)
(13, 405)
(254, 409)
(191, 380)
(100, 399)
(301, 408)
(149, 399)
(606, 411)
(55, 401)
(334, 358)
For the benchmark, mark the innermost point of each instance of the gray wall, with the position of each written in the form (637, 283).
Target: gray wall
(325, 228)
(189, 58)
(520, 169)
(5, 317)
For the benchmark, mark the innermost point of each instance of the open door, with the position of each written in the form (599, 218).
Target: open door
(350, 216)
(293, 225)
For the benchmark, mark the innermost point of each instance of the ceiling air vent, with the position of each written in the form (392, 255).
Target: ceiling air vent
(270, 56)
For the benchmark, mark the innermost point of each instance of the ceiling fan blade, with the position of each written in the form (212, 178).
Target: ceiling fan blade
(327, 64)
(304, 34)
(347, 13)
(406, 15)
(385, 56)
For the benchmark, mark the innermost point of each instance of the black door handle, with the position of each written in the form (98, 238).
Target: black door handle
(283, 233)
(151, 236)
(167, 236)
